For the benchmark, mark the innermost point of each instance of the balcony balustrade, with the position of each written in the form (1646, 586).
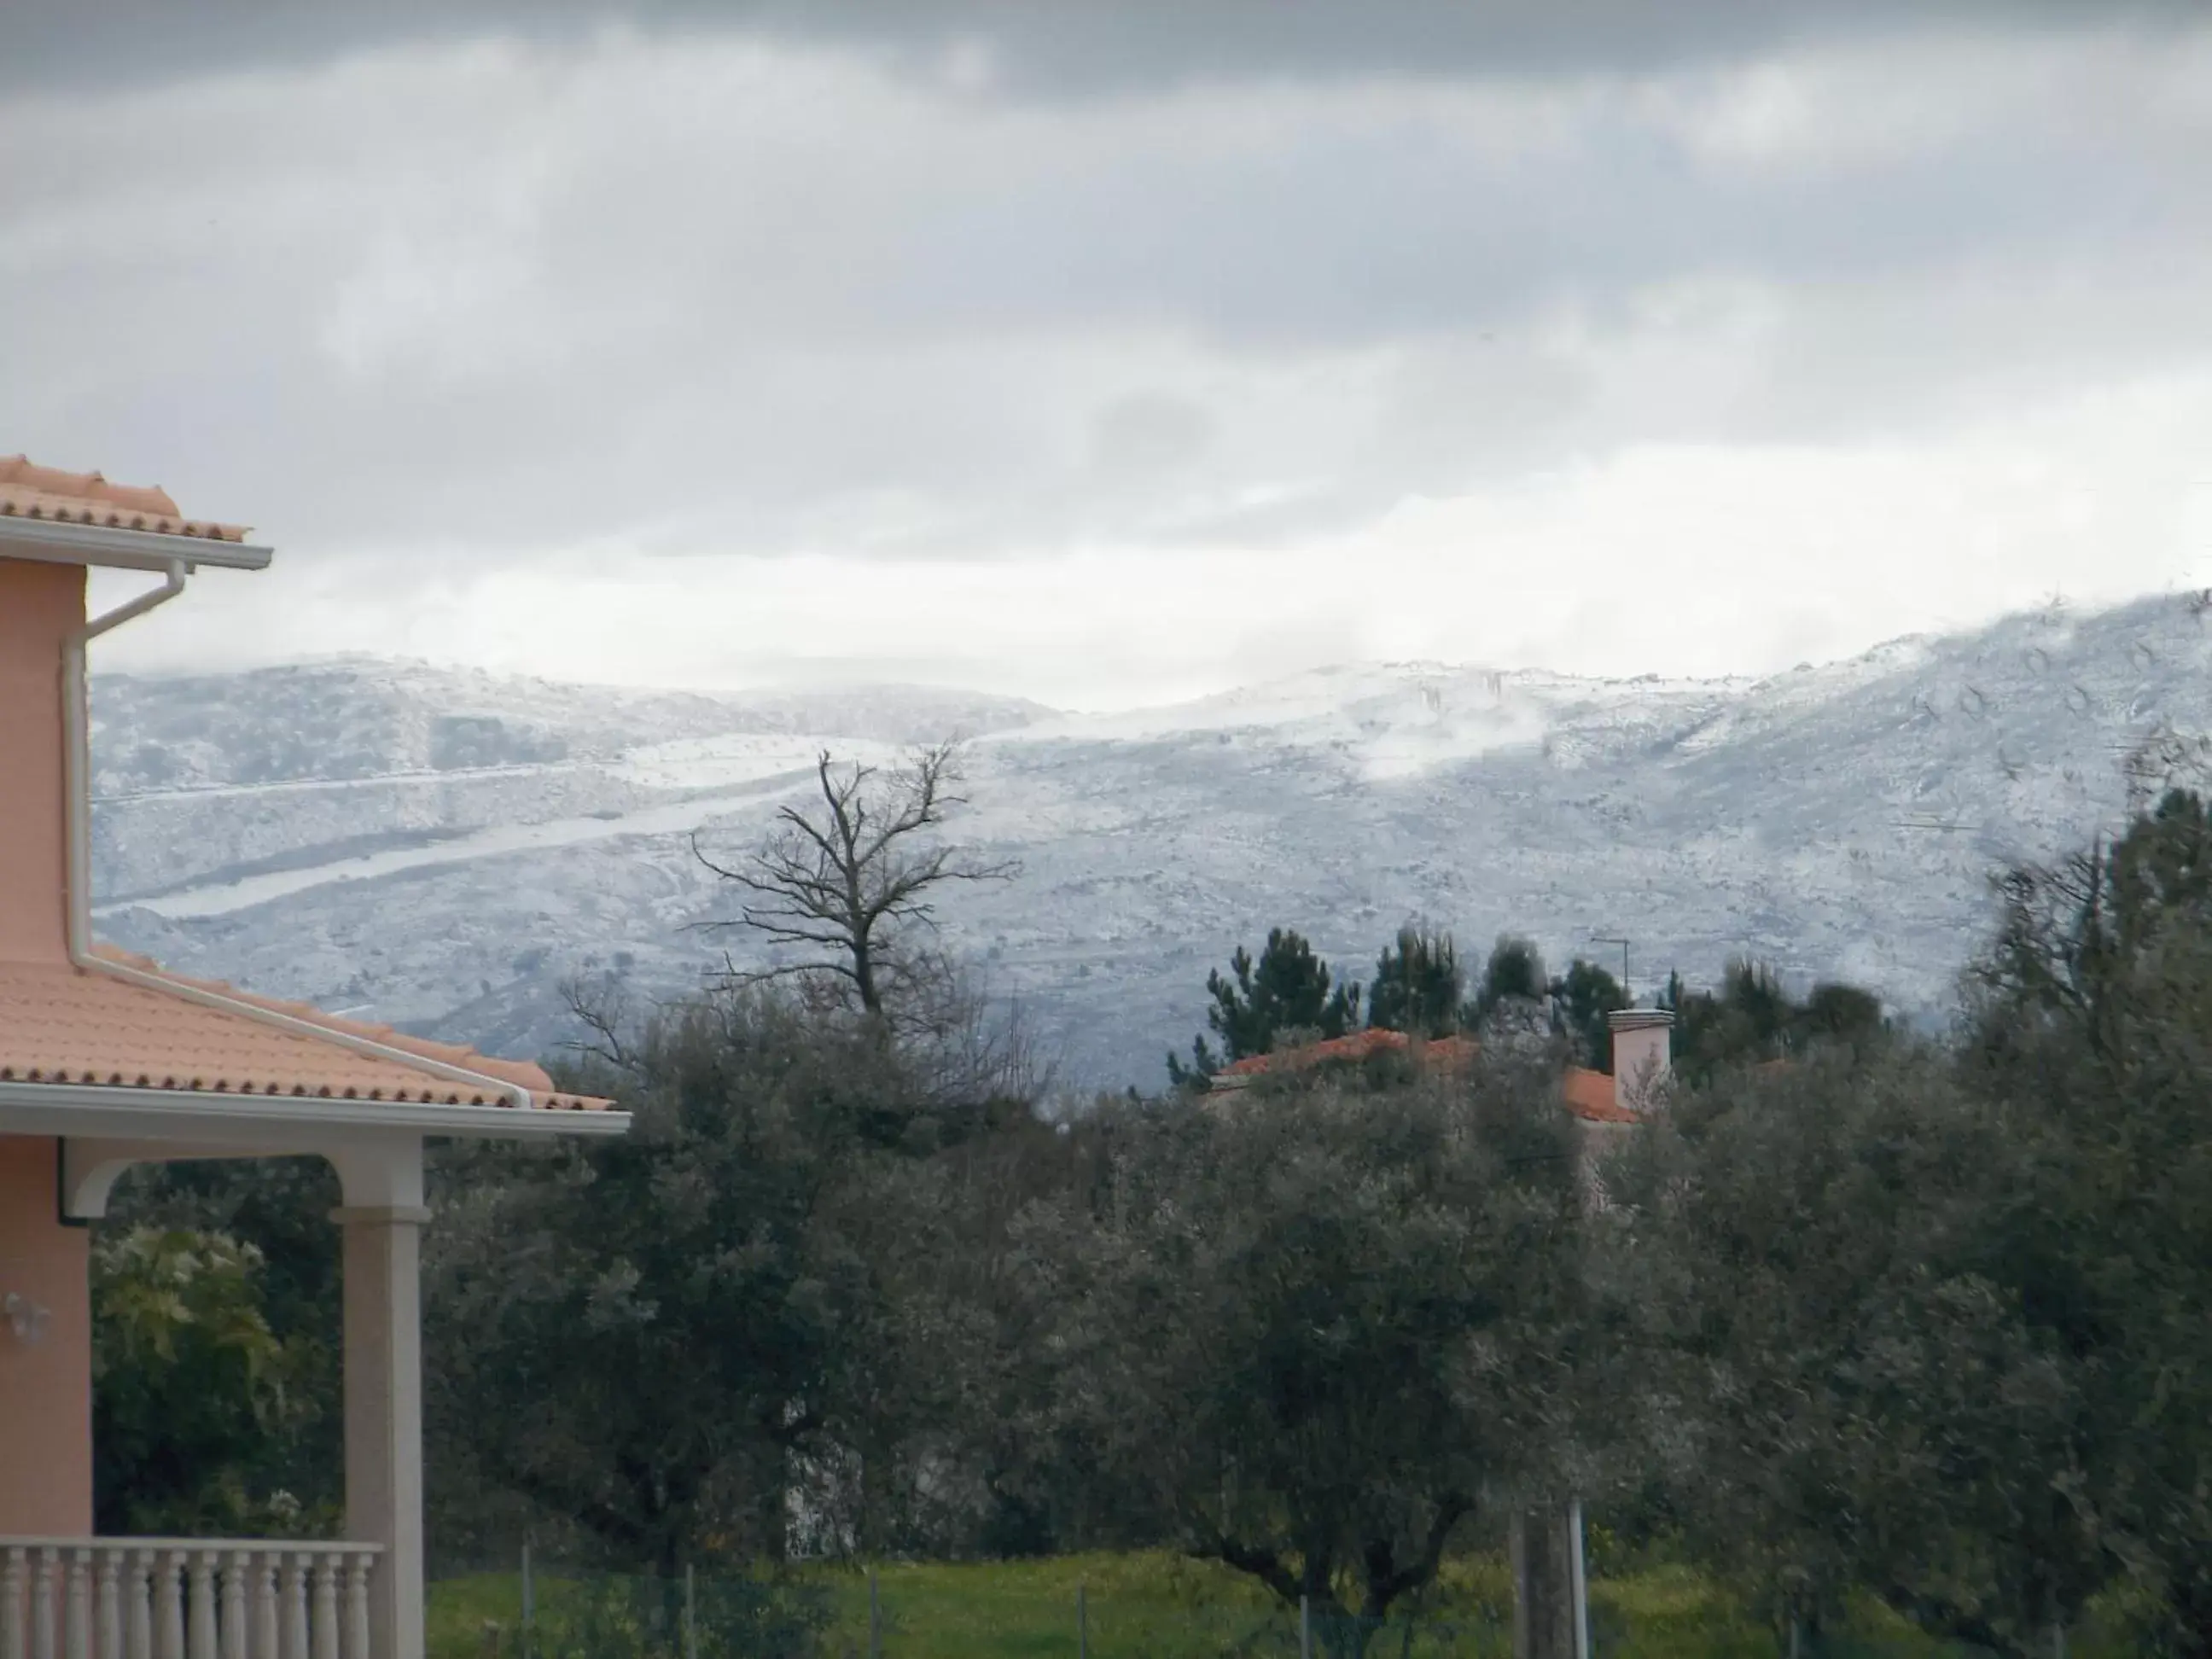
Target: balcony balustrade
(184, 1598)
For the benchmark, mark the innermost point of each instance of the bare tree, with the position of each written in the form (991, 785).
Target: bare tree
(851, 878)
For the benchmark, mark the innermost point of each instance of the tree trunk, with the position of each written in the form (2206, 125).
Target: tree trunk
(1548, 1583)
(864, 973)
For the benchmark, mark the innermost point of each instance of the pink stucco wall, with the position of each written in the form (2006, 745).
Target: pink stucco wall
(46, 1384)
(39, 604)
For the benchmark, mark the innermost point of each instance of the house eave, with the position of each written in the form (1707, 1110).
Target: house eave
(56, 541)
(199, 1115)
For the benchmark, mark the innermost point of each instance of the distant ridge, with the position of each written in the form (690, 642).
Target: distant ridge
(442, 847)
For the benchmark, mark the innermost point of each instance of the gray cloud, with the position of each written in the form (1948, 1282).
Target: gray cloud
(917, 281)
(1069, 47)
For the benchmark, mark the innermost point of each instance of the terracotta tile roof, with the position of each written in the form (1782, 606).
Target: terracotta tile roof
(1588, 1095)
(1353, 1046)
(61, 1025)
(29, 491)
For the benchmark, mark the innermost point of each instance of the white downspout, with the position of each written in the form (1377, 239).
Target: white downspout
(77, 764)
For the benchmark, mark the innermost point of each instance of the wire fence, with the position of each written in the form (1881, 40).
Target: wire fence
(542, 1612)
(613, 1616)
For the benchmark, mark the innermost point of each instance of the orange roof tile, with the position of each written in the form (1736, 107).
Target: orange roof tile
(1355, 1045)
(29, 491)
(1351, 1047)
(1453, 1051)
(60, 1024)
(1587, 1094)
(1590, 1096)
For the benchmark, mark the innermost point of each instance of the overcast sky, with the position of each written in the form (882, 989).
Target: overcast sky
(1110, 353)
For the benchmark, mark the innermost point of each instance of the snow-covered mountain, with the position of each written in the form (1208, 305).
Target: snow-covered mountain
(442, 849)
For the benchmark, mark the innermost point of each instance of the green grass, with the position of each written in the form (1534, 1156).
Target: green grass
(1153, 1604)
(468, 1618)
(1137, 1604)
(1150, 1605)
(1147, 1604)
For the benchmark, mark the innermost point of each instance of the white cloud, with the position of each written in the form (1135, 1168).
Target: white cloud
(1674, 560)
(704, 358)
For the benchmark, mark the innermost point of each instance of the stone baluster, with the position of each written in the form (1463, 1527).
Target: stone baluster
(107, 1637)
(357, 1606)
(77, 1611)
(168, 1604)
(45, 1592)
(296, 1606)
(14, 1569)
(266, 1643)
(234, 1603)
(326, 1621)
(139, 1606)
(199, 1638)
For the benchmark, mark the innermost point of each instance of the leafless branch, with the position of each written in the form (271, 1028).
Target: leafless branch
(602, 1010)
(849, 876)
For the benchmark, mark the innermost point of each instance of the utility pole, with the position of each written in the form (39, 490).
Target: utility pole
(1551, 1609)
(1551, 1597)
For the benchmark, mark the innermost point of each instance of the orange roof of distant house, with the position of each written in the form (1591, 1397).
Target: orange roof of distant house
(1590, 1096)
(30, 491)
(61, 1025)
(1587, 1094)
(1353, 1046)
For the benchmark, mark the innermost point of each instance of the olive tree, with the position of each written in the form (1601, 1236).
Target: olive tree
(1307, 1329)
(1830, 1360)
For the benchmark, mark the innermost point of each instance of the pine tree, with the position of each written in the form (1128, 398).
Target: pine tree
(1515, 970)
(2086, 1032)
(1416, 985)
(1289, 989)
(1752, 1017)
(1581, 999)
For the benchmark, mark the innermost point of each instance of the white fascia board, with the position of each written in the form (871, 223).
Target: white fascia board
(261, 1121)
(54, 541)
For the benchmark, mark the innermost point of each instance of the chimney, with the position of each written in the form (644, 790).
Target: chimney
(41, 606)
(1641, 1054)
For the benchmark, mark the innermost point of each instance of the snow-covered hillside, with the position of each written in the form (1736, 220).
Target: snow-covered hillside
(442, 849)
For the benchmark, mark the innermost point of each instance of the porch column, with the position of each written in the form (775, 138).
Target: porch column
(383, 1221)
(45, 1351)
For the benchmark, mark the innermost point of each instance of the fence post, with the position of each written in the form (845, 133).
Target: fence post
(529, 1604)
(1305, 1627)
(1083, 1625)
(1579, 1582)
(875, 1619)
(690, 1613)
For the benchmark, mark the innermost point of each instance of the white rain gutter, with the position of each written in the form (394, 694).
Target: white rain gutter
(110, 1111)
(77, 760)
